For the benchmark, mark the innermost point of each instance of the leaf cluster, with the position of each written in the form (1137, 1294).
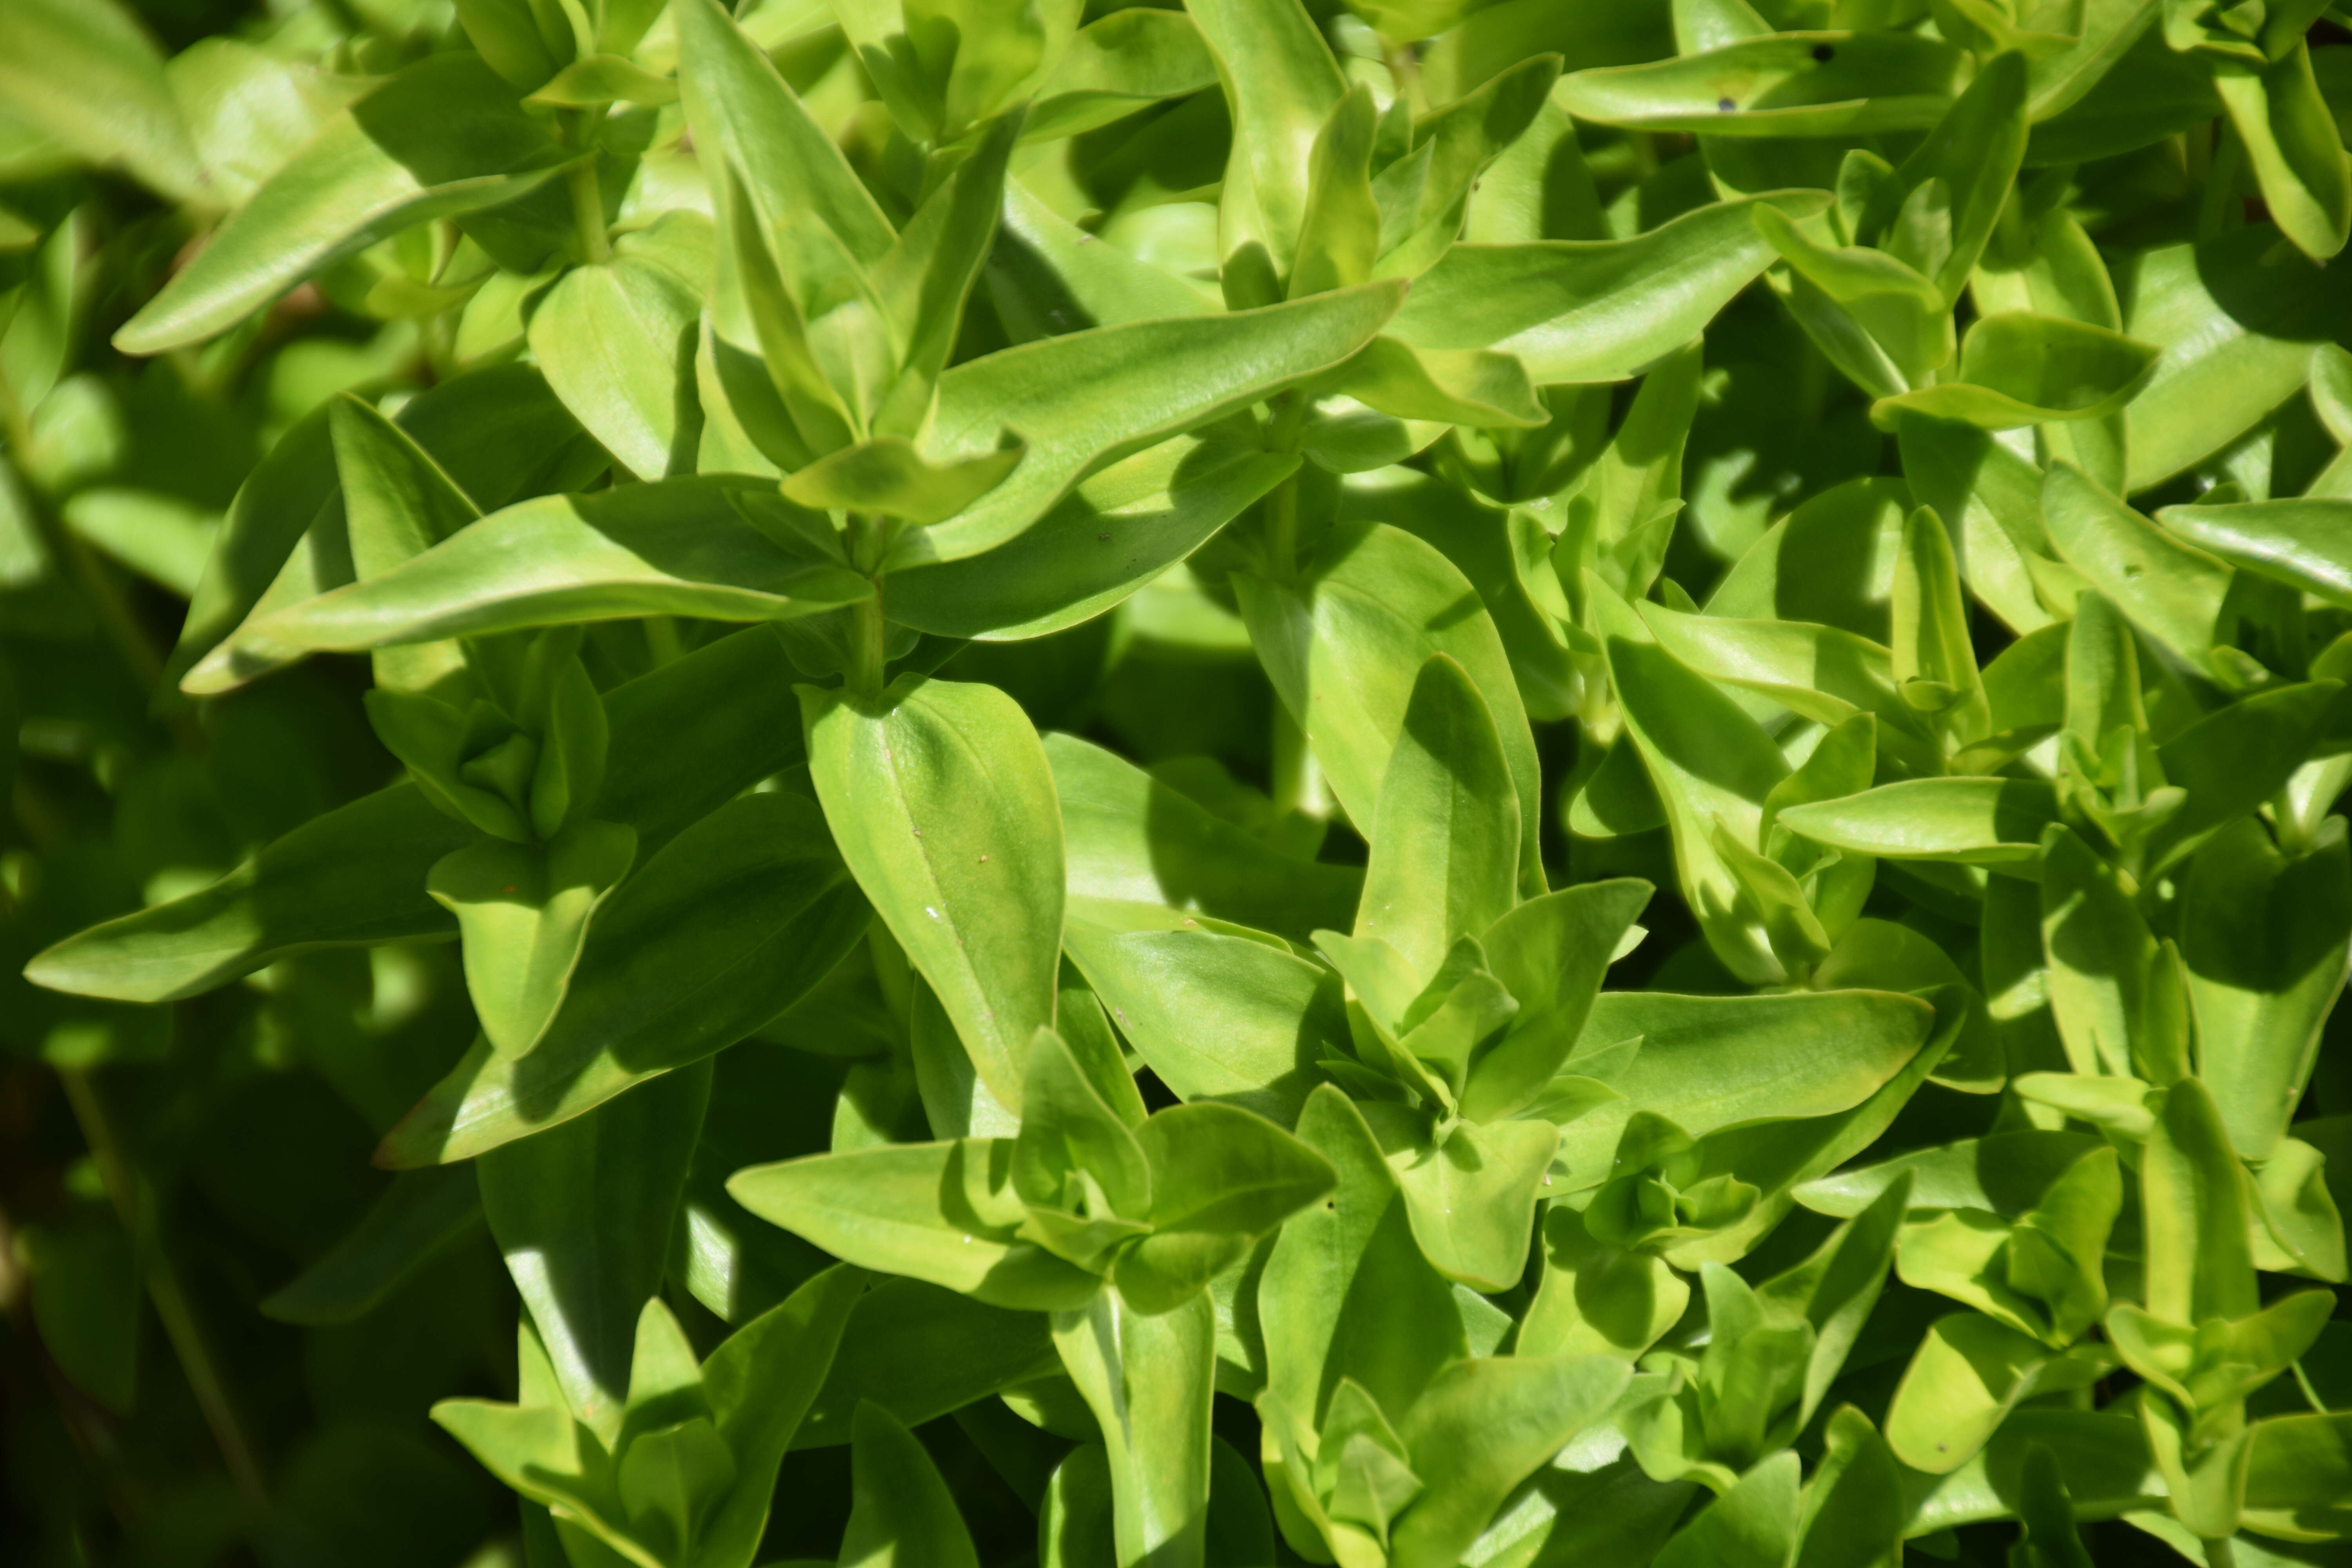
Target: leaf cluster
(1396, 782)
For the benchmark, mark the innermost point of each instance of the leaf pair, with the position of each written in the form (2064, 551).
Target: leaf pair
(1381, 1437)
(1090, 1188)
(853, 317)
(1772, 1352)
(686, 1477)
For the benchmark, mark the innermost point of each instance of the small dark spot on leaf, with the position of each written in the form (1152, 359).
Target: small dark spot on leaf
(1725, 105)
(1823, 52)
(509, 886)
(1102, 539)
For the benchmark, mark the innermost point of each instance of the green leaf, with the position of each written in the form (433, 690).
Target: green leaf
(495, 433)
(1551, 955)
(2193, 1191)
(1117, 65)
(2017, 368)
(524, 910)
(84, 1290)
(1597, 1298)
(1346, 1291)
(1149, 1381)
(2291, 141)
(617, 342)
(1824, 673)
(943, 804)
(2005, 1173)
(2048, 1515)
(1471, 1192)
(1968, 1373)
(349, 876)
(85, 72)
(680, 547)
(1966, 821)
(1339, 228)
(1076, 1517)
(2103, 1458)
(928, 274)
(887, 475)
(1130, 836)
(1857, 525)
(762, 1379)
(1445, 833)
(2101, 958)
(1712, 767)
(2265, 935)
(1282, 85)
(1875, 316)
(1852, 1510)
(1113, 534)
(748, 120)
(944, 1213)
(586, 1286)
(1751, 1525)
(523, 44)
(443, 138)
(1219, 1013)
(2299, 542)
(540, 1451)
(2236, 323)
(597, 80)
(397, 503)
(1468, 387)
(1479, 1429)
(1048, 276)
(419, 1213)
(1345, 647)
(1709, 1062)
(2298, 1473)
(900, 1510)
(1596, 311)
(921, 1351)
(1087, 399)
(1221, 1177)
(717, 932)
(1836, 1290)
(1068, 1130)
(1954, 185)
(2234, 760)
(353, 876)
(1786, 84)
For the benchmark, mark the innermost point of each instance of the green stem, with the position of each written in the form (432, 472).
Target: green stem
(867, 659)
(587, 192)
(1282, 507)
(869, 537)
(2221, 1553)
(195, 1357)
(588, 212)
(663, 644)
(1297, 782)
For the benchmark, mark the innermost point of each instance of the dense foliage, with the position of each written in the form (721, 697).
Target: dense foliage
(1022, 781)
